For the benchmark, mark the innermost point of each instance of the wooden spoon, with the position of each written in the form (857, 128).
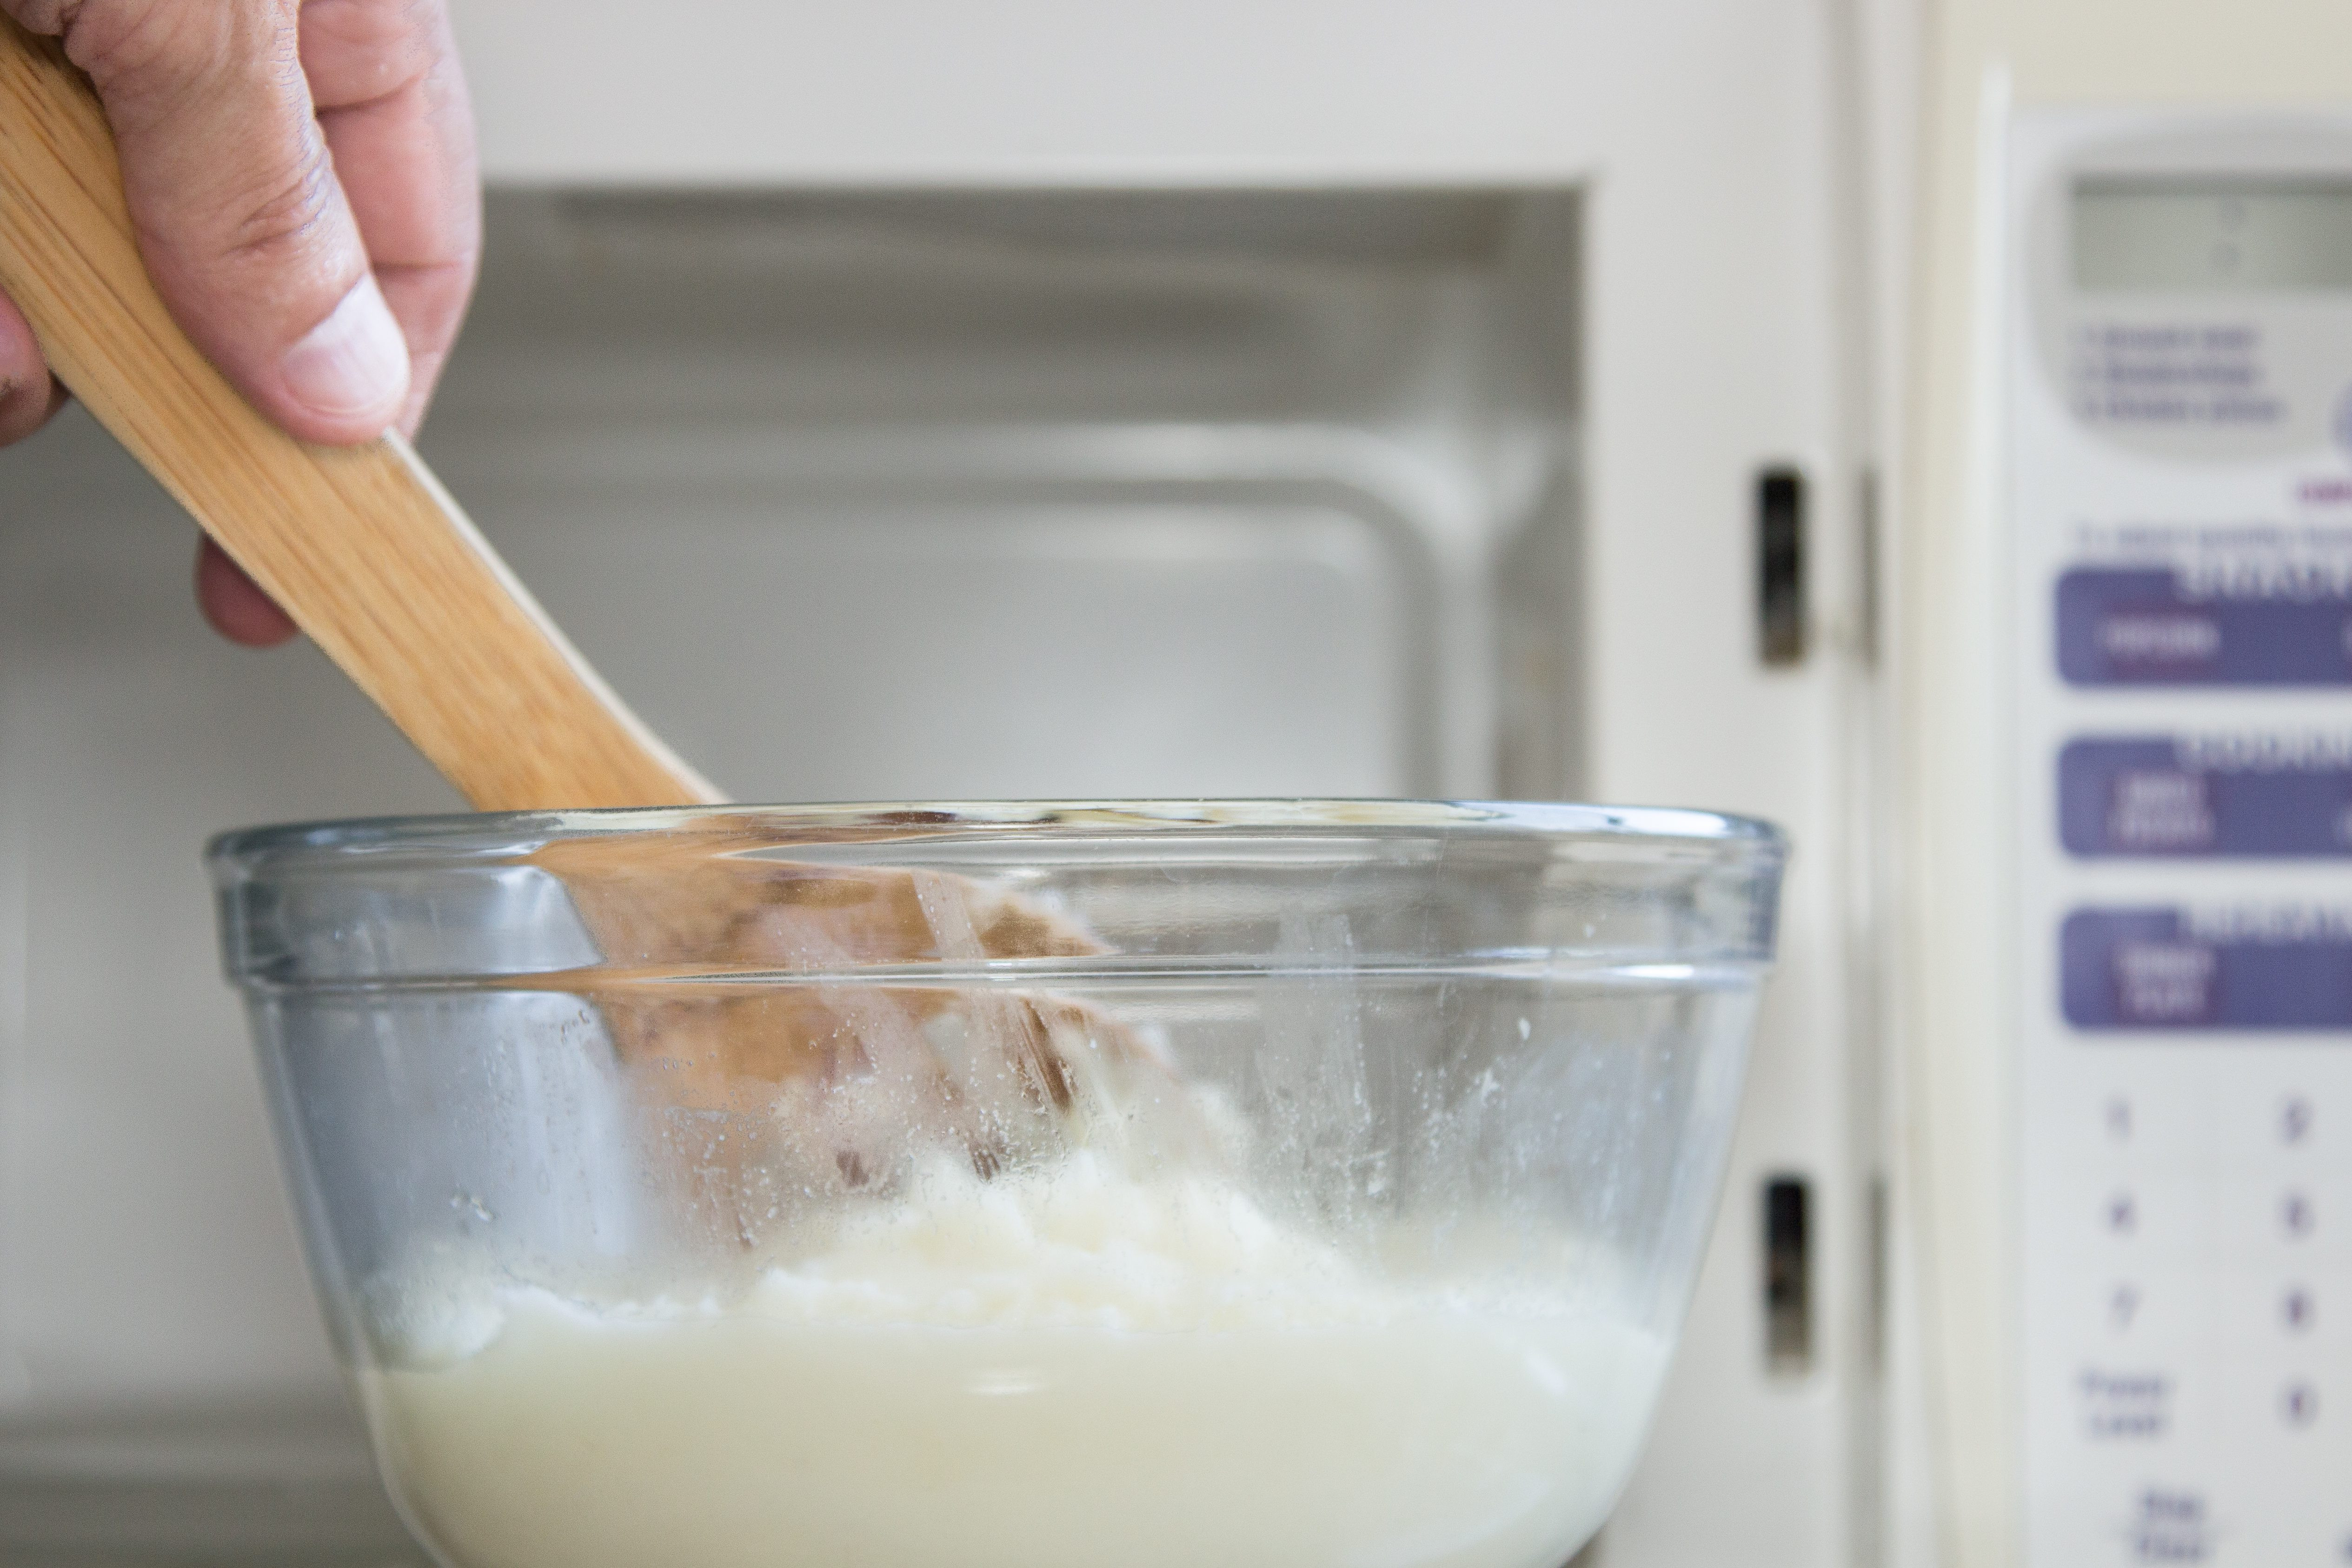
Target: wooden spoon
(376, 562)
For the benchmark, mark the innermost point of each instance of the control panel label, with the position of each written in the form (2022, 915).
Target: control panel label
(2150, 626)
(2168, 969)
(2237, 795)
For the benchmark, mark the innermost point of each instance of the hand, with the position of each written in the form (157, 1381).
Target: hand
(302, 176)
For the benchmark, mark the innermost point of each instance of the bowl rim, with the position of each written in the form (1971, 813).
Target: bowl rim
(466, 834)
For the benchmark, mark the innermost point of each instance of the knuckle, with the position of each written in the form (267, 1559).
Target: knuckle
(144, 46)
(283, 223)
(48, 18)
(399, 31)
(122, 41)
(377, 48)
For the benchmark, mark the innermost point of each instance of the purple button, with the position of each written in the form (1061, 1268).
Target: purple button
(2149, 795)
(2148, 969)
(2143, 627)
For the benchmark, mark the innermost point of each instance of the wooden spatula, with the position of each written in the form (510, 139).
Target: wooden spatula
(361, 546)
(374, 560)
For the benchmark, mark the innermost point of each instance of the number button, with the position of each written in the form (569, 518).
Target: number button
(2122, 1215)
(2119, 1119)
(2296, 1309)
(2297, 1216)
(2299, 1403)
(2295, 1115)
(2123, 1306)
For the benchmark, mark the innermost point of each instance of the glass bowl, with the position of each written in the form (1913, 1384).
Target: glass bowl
(1006, 1186)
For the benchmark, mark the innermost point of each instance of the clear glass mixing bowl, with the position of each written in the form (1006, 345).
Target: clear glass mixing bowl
(1006, 1186)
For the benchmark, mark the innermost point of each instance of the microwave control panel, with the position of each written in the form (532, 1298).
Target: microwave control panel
(2177, 451)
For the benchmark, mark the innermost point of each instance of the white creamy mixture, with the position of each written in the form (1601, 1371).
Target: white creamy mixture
(1075, 1370)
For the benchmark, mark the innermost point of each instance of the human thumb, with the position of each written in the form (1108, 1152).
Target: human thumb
(238, 213)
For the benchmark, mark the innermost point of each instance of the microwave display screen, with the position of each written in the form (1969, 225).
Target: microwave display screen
(2201, 235)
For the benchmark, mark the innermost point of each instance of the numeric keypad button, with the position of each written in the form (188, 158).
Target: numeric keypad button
(2123, 1307)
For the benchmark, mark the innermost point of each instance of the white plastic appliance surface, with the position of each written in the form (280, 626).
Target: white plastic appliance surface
(2124, 993)
(1497, 431)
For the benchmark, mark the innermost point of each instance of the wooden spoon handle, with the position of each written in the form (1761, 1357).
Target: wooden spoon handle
(361, 545)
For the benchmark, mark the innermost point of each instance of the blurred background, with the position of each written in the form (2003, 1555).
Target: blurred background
(922, 402)
(914, 401)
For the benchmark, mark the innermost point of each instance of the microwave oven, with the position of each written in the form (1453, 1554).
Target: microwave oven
(1623, 402)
